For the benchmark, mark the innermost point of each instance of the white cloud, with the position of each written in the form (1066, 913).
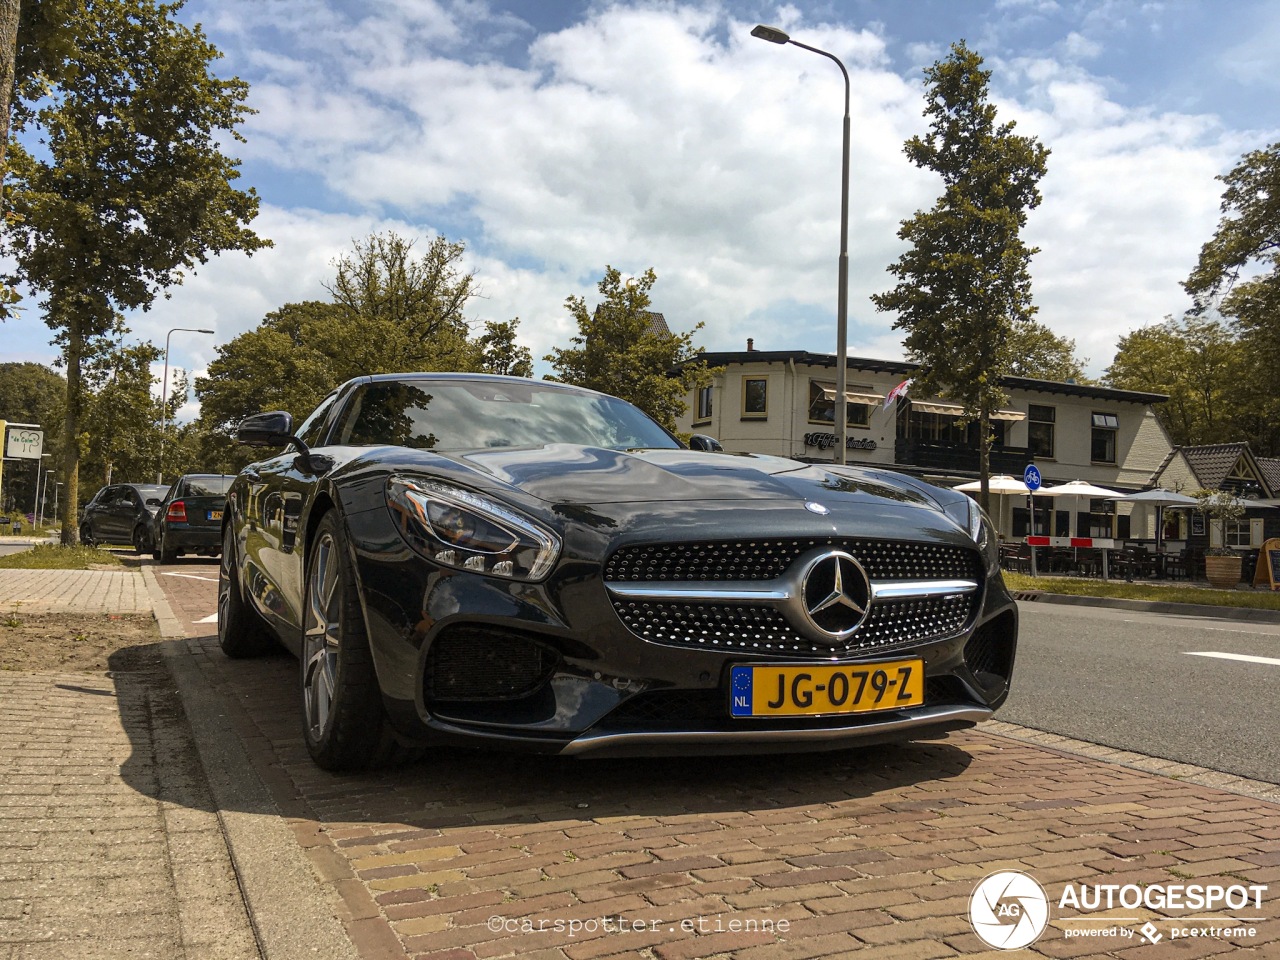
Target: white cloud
(663, 135)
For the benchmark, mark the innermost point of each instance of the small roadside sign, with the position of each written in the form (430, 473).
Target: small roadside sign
(1031, 477)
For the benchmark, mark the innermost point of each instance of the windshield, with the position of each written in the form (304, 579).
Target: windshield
(151, 492)
(214, 486)
(458, 415)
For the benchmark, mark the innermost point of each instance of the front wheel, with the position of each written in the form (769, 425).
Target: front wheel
(86, 535)
(241, 632)
(344, 723)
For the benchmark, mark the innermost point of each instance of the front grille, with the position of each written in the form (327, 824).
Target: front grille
(734, 560)
(758, 629)
(469, 664)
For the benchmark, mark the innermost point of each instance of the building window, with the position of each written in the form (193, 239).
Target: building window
(755, 397)
(704, 402)
(1239, 533)
(1102, 448)
(1040, 427)
(822, 406)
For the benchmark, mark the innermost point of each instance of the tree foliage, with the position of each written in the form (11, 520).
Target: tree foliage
(963, 283)
(31, 393)
(1238, 274)
(422, 298)
(1041, 354)
(617, 350)
(130, 188)
(391, 312)
(1195, 361)
(501, 354)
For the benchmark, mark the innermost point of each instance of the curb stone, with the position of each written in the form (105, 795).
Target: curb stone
(292, 916)
(1246, 614)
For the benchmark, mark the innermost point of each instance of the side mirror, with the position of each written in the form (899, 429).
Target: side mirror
(700, 441)
(273, 429)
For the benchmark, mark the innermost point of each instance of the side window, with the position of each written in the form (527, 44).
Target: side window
(1040, 428)
(1102, 447)
(704, 402)
(755, 398)
(313, 428)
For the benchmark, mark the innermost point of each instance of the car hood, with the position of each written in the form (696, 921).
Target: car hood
(565, 474)
(666, 493)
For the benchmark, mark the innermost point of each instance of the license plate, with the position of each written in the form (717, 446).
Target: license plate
(820, 691)
(215, 514)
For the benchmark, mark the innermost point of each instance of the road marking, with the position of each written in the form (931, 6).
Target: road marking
(211, 618)
(190, 576)
(1234, 656)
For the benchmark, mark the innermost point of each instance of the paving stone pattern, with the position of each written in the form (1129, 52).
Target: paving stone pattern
(871, 853)
(73, 591)
(109, 847)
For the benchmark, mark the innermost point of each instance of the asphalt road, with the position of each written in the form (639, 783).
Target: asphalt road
(1132, 681)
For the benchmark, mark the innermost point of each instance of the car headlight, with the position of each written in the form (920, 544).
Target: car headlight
(457, 528)
(974, 520)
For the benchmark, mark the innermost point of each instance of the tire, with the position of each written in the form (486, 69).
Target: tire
(86, 535)
(167, 554)
(344, 723)
(141, 540)
(241, 632)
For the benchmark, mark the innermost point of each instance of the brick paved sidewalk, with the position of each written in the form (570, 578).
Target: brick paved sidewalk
(109, 846)
(871, 853)
(73, 591)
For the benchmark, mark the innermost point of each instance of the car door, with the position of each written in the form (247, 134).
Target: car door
(106, 518)
(280, 489)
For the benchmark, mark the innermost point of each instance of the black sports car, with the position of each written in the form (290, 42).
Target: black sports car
(468, 559)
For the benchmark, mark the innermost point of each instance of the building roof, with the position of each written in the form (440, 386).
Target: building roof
(1213, 463)
(1270, 467)
(903, 368)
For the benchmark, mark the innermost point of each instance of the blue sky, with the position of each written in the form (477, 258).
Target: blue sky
(557, 138)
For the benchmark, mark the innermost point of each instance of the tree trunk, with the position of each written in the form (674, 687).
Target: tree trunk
(70, 434)
(10, 15)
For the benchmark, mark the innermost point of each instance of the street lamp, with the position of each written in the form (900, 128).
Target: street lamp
(164, 395)
(774, 35)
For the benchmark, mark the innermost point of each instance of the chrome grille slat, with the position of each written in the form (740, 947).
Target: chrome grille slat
(711, 596)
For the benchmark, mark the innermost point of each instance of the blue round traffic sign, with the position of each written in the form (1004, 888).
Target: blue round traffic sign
(1031, 477)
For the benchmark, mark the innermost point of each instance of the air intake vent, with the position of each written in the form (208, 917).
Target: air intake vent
(470, 664)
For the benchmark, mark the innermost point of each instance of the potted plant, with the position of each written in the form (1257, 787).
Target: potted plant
(1221, 564)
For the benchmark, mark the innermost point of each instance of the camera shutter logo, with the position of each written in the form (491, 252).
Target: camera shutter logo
(1008, 910)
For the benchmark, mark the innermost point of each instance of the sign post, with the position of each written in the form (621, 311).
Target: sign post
(1031, 477)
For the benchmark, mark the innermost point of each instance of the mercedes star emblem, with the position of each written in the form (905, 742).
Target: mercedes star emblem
(835, 595)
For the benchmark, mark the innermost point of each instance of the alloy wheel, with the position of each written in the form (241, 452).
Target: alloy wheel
(321, 637)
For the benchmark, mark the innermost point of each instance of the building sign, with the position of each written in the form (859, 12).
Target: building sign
(825, 441)
(24, 444)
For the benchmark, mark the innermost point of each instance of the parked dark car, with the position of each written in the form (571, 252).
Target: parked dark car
(457, 558)
(122, 513)
(190, 518)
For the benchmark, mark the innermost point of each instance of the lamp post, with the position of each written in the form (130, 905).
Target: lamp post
(164, 395)
(774, 35)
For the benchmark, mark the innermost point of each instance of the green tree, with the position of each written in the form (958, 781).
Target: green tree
(1195, 362)
(423, 297)
(288, 362)
(964, 282)
(501, 354)
(31, 393)
(130, 187)
(619, 351)
(125, 442)
(1041, 354)
(1238, 273)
